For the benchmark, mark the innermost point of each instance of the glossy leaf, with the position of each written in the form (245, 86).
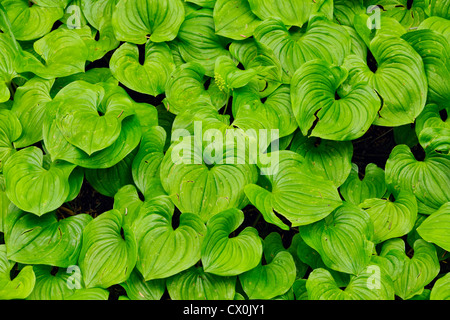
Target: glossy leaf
(294, 194)
(151, 76)
(391, 219)
(427, 179)
(372, 185)
(45, 240)
(435, 228)
(225, 256)
(35, 186)
(196, 284)
(343, 239)
(163, 250)
(136, 22)
(21, 286)
(108, 253)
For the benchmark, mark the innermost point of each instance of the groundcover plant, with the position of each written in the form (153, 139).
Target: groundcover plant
(224, 149)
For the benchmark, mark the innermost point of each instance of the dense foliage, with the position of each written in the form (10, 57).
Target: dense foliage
(118, 180)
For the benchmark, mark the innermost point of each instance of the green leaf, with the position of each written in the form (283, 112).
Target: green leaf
(321, 112)
(372, 185)
(45, 240)
(109, 251)
(151, 76)
(234, 19)
(294, 193)
(418, 271)
(198, 42)
(139, 289)
(73, 119)
(293, 48)
(196, 284)
(343, 239)
(197, 188)
(399, 79)
(427, 179)
(326, 158)
(270, 280)
(10, 131)
(108, 181)
(435, 228)
(435, 52)
(29, 106)
(21, 286)
(186, 87)
(61, 52)
(136, 22)
(30, 22)
(51, 283)
(437, 24)
(228, 256)
(391, 219)
(370, 284)
(116, 101)
(35, 186)
(163, 250)
(441, 288)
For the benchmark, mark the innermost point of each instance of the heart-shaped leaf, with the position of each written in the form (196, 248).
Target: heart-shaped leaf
(196, 188)
(109, 251)
(295, 49)
(51, 283)
(372, 185)
(391, 219)
(139, 289)
(399, 78)
(34, 185)
(418, 271)
(196, 284)
(294, 194)
(228, 256)
(45, 240)
(164, 250)
(343, 239)
(136, 22)
(151, 76)
(21, 286)
(427, 179)
(63, 51)
(270, 280)
(321, 112)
